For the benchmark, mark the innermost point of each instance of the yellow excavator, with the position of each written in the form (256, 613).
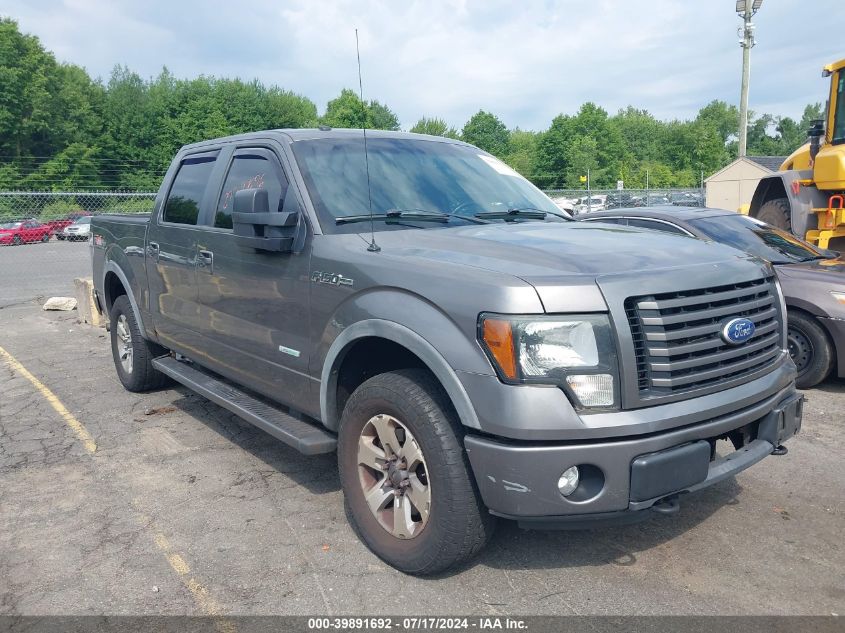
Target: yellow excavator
(807, 194)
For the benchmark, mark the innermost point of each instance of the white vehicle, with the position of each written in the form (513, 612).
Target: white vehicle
(592, 203)
(79, 230)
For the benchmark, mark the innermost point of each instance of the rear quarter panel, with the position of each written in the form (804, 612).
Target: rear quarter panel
(118, 245)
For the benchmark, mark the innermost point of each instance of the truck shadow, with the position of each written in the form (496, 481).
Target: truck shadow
(511, 546)
(515, 548)
(317, 473)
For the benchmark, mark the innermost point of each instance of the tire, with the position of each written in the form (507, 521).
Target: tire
(810, 349)
(777, 213)
(132, 353)
(16, 240)
(457, 525)
(45, 237)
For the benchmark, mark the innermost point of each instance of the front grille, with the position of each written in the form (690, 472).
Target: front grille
(677, 336)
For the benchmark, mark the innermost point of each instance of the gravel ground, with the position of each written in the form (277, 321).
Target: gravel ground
(182, 508)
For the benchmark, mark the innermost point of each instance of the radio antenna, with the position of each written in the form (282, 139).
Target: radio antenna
(373, 247)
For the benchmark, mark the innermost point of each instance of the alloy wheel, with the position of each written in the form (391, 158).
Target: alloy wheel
(124, 334)
(393, 476)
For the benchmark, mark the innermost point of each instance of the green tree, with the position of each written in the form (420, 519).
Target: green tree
(434, 127)
(522, 152)
(487, 132)
(348, 111)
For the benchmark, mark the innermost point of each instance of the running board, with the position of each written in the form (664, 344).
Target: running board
(308, 439)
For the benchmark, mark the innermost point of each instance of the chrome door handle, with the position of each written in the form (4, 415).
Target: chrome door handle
(205, 259)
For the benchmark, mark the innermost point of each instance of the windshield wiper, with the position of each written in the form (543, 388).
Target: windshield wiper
(407, 214)
(524, 212)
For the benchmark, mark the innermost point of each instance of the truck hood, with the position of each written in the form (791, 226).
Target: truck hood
(545, 249)
(554, 257)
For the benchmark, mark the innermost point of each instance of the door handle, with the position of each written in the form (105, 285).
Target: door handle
(153, 249)
(205, 259)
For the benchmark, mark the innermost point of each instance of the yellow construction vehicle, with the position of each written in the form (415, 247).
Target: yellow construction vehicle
(807, 194)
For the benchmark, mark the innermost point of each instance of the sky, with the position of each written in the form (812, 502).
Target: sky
(526, 60)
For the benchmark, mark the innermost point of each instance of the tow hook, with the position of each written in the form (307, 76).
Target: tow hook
(667, 505)
(780, 450)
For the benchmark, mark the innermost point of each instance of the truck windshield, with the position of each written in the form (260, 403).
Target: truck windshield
(427, 176)
(758, 238)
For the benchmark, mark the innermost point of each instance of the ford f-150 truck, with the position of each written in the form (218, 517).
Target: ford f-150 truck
(468, 350)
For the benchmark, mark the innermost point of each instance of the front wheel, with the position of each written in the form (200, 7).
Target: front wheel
(809, 348)
(407, 484)
(132, 353)
(45, 237)
(17, 241)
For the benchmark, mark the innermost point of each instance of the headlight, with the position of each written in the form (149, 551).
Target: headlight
(574, 352)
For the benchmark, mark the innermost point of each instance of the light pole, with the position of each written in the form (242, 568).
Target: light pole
(746, 10)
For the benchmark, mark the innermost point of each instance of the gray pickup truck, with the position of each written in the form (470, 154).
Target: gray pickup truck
(468, 350)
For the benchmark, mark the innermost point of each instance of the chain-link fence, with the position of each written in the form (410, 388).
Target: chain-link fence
(578, 201)
(52, 229)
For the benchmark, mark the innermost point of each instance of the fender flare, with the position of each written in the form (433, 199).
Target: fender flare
(111, 267)
(800, 204)
(405, 337)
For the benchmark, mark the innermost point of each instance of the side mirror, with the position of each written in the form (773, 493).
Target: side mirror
(256, 227)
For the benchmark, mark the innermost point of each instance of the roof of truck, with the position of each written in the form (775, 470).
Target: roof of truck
(301, 134)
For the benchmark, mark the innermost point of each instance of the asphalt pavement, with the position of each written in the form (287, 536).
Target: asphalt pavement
(164, 503)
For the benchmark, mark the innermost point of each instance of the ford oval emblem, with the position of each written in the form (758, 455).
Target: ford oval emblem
(738, 330)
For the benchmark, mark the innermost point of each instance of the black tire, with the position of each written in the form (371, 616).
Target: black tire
(777, 213)
(16, 240)
(140, 374)
(458, 525)
(810, 349)
(45, 237)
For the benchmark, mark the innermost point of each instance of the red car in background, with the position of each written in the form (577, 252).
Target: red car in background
(23, 231)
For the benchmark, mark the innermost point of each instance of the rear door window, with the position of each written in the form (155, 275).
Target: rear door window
(185, 197)
(250, 170)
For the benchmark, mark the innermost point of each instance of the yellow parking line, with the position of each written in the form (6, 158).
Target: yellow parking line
(200, 594)
(77, 426)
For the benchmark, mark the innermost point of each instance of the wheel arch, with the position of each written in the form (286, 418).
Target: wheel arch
(115, 284)
(783, 184)
(403, 338)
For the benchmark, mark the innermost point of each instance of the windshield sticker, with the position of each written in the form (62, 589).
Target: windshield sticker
(499, 166)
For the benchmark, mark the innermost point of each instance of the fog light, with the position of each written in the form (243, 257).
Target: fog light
(568, 481)
(593, 390)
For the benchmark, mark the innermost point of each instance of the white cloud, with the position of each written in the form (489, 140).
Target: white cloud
(525, 61)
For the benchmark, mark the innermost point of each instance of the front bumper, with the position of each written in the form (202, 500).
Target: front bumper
(625, 476)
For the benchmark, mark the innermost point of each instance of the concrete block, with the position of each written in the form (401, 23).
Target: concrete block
(85, 302)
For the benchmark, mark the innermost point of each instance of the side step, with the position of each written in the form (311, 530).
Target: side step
(308, 439)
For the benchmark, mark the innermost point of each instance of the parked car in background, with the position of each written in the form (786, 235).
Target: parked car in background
(78, 231)
(686, 199)
(813, 279)
(623, 199)
(57, 227)
(590, 204)
(22, 232)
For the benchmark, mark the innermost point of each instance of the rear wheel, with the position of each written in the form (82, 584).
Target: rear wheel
(16, 240)
(777, 213)
(407, 484)
(132, 353)
(45, 237)
(809, 348)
